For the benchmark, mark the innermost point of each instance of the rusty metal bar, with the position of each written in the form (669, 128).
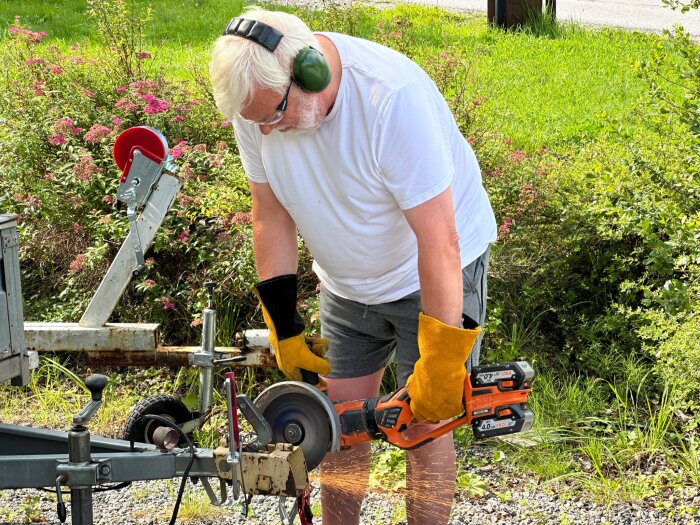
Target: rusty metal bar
(175, 356)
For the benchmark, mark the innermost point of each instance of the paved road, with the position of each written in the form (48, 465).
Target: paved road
(645, 15)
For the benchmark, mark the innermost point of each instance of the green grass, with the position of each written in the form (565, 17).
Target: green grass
(182, 22)
(539, 90)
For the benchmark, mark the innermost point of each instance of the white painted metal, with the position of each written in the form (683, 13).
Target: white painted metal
(70, 337)
(120, 272)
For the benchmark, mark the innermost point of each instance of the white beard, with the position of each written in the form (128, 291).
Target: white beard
(310, 115)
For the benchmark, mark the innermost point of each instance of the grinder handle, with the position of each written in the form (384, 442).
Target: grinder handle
(310, 377)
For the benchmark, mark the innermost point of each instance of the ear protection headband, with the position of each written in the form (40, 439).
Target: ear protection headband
(309, 70)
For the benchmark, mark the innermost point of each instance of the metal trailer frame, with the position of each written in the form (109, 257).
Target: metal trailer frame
(15, 361)
(36, 458)
(31, 457)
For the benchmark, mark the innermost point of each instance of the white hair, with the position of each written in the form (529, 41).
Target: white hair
(238, 66)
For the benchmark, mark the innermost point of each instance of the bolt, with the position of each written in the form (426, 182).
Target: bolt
(105, 470)
(293, 432)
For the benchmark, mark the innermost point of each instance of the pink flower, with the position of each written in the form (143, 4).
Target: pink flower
(184, 237)
(125, 104)
(179, 150)
(517, 156)
(241, 218)
(179, 118)
(109, 199)
(85, 169)
(38, 88)
(65, 126)
(49, 177)
(471, 140)
(57, 140)
(121, 89)
(78, 263)
(226, 123)
(507, 142)
(155, 105)
(87, 93)
(32, 61)
(116, 121)
(167, 303)
(33, 202)
(184, 200)
(142, 55)
(149, 283)
(97, 133)
(30, 37)
(56, 70)
(142, 87)
(504, 229)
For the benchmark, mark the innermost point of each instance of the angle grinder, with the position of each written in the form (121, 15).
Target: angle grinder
(495, 403)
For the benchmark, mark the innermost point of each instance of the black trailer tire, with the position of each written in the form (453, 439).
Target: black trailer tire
(140, 429)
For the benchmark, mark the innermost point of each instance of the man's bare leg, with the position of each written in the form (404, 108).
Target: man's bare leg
(430, 479)
(345, 474)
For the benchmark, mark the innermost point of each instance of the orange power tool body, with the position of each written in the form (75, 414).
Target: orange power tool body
(495, 403)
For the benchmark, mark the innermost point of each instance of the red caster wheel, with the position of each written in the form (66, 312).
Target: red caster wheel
(150, 142)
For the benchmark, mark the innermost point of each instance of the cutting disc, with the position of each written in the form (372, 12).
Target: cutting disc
(301, 415)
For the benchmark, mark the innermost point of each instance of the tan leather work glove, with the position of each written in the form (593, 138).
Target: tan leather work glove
(293, 351)
(436, 386)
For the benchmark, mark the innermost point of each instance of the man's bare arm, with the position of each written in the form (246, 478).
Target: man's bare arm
(274, 234)
(439, 264)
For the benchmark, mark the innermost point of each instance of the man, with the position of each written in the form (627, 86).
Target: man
(352, 145)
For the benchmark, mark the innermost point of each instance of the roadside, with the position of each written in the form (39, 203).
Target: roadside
(643, 15)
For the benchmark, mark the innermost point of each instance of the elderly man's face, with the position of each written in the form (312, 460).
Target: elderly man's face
(302, 111)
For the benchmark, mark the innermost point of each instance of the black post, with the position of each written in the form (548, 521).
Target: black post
(551, 8)
(500, 13)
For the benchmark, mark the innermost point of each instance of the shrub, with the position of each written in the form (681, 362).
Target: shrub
(62, 112)
(609, 284)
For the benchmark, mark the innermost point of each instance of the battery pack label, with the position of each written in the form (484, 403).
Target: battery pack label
(496, 375)
(495, 424)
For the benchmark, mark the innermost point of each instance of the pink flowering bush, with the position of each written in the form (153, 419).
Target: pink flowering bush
(63, 110)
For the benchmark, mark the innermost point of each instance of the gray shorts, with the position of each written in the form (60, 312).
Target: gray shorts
(363, 338)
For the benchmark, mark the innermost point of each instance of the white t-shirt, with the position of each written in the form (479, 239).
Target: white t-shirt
(389, 144)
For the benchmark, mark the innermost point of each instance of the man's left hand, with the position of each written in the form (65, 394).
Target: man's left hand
(436, 386)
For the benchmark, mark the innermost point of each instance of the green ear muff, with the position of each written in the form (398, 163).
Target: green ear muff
(310, 70)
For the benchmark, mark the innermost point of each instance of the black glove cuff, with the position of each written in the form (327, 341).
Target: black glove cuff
(279, 296)
(469, 323)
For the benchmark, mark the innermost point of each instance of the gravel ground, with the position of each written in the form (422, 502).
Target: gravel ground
(507, 501)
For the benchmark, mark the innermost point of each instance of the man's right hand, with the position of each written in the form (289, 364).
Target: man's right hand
(295, 354)
(278, 297)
